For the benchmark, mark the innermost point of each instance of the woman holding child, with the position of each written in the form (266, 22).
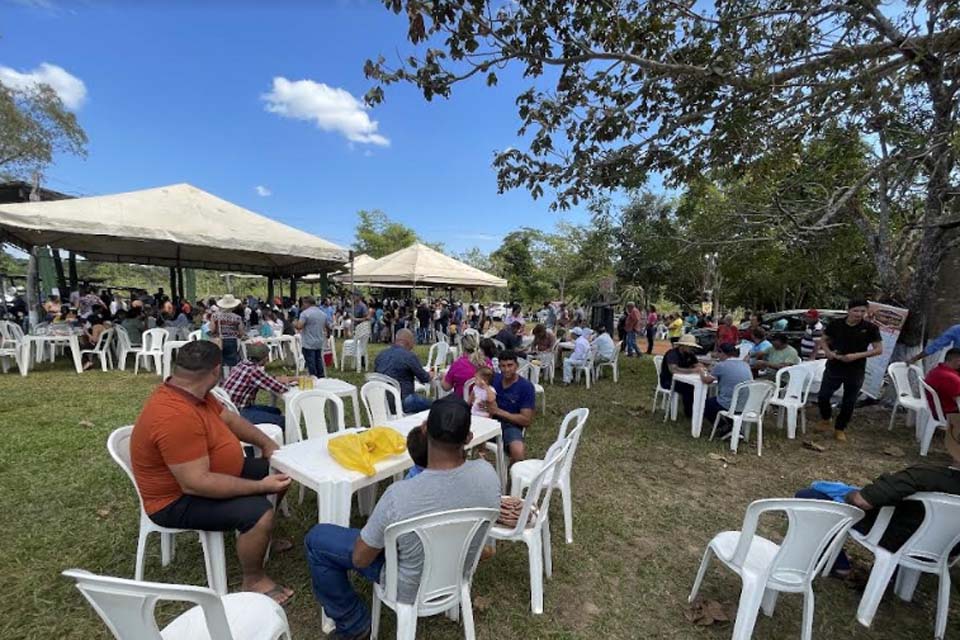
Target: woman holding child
(465, 367)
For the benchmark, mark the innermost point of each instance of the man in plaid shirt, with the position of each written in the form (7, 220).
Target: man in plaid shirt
(247, 378)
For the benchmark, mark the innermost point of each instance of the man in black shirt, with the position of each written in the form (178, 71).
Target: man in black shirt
(510, 337)
(847, 344)
(682, 358)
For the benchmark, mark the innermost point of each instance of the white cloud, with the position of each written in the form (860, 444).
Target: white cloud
(330, 108)
(69, 87)
(262, 191)
(46, 5)
(485, 237)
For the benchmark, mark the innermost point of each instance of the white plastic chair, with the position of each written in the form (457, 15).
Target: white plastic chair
(14, 345)
(816, 528)
(523, 472)
(744, 349)
(613, 365)
(118, 444)
(124, 347)
(193, 336)
(153, 340)
(532, 374)
(660, 391)
(356, 347)
(914, 403)
(793, 398)
(448, 567)
(374, 395)
(223, 396)
(926, 551)
(817, 367)
(585, 367)
(533, 525)
(102, 349)
(932, 419)
(331, 347)
(753, 407)
(311, 407)
(127, 608)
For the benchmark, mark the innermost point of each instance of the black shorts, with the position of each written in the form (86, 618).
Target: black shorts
(211, 514)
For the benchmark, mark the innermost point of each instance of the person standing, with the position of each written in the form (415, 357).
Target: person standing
(847, 343)
(631, 326)
(811, 336)
(312, 325)
(652, 320)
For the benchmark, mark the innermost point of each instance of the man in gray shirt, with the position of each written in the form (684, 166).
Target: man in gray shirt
(448, 482)
(312, 325)
(728, 373)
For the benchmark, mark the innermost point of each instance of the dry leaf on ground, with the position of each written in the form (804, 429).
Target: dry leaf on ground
(679, 464)
(85, 423)
(103, 512)
(704, 613)
(591, 609)
(893, 451)
(813, 446)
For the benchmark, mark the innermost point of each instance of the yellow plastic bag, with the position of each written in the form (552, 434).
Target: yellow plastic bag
(360, 451)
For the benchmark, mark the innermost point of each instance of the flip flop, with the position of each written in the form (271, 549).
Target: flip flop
(278, 595)
(281, 545)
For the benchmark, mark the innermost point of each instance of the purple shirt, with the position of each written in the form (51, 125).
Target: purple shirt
(460, 371)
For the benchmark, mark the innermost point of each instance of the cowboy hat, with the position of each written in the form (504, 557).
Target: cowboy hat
(228, 302)
(687, 340)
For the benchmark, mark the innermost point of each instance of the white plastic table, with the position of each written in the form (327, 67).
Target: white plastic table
(335, 386)
(699, 400)
(72, 340)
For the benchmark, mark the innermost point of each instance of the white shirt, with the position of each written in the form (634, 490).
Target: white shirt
(581, 349)
(605, 346)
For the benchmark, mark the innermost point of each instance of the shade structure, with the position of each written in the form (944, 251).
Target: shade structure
(177, 225)
(420, 266)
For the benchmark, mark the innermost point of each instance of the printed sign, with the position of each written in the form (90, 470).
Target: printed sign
(890, 321)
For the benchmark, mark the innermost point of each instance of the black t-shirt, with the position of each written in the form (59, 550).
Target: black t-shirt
(678, 358)
(845, 339)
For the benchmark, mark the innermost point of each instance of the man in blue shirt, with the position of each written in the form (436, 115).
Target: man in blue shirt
(728, 373)
(400, 363)
(514, 405)
(949, 339)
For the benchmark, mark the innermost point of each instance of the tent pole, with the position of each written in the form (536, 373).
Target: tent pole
(293, 288)
(352, 290)
(182, 295)
(72, 272)
(270, 289)
(173, 285)
(61, 278)
(32, 301)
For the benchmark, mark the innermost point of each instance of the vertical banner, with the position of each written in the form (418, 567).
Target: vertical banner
(890, 321)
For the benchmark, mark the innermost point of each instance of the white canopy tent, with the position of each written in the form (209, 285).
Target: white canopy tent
(175, 226)
(358, 261)
(420, 266)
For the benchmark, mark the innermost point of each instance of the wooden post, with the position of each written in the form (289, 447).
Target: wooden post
(270, 290)
(72, 271)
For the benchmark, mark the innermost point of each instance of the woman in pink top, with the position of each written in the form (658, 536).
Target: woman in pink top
(465, 367)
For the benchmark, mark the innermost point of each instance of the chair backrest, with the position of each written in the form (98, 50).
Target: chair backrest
(223, 396)
(193, 336)
(572, 435)
(153, 339)
(540, 489)
(744, 348)
(311, 406)
(500, 346)
(4, 331)
(658, 364)
(15, 332)
(467, 388)
(374, 395)
(432, 355)
(757, 393)
(123, 338)
(799, 379)
(933, 403)
(900, 373)
(939, 532)
(814, 529)
(362, 332)
(445, 536)
(118, 445)
(380, 377)
(103, 342)
(127, 606)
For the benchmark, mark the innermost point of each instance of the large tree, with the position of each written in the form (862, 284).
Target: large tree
(623, 88)
(377, 235)
(34, 125)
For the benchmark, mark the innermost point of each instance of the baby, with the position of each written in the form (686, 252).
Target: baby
(482, 392)
(417, 448)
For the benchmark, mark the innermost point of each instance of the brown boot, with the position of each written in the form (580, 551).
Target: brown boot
(840, 436)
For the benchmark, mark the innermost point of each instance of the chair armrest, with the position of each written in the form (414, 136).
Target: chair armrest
(879, 526)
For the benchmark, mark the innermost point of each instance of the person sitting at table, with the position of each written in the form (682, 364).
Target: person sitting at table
(96, 325)
(465, 367)
(190, 469)
(727, 333)
(681, 358)
(400, 363)
(781, 356)
(580, 355)
(761, 346)
(134, 325)
(510, 336)
(944, 379)
(605, 347)
(52, 307)
(727, 373)
(450, 481)
(514, 406)
(249, 377)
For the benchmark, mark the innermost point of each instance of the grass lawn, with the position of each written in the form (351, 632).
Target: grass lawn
(647, 500)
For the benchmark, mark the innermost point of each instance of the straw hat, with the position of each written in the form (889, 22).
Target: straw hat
(687, 340)
(228, 302)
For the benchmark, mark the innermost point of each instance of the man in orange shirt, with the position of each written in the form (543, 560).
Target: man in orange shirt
(190, 469)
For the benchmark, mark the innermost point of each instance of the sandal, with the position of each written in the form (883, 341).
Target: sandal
(278, 594)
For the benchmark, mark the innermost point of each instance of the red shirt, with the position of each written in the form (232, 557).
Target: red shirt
(946, 382)
(727, 334)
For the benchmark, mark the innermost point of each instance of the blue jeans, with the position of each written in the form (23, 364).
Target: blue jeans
(711, 408)
(330, 557)
(423, 333)
(632, 343)
(263, 414)
(415, 403)
(843, 562)
(314, 358)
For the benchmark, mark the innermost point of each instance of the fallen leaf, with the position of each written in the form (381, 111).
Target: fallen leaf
(813, 446)
(895, 452)
(679, 464)
(85, 423)
(590, 609)
(635, 414)
(704, 613)
(715, 456)
(103, 513)
(482, 603)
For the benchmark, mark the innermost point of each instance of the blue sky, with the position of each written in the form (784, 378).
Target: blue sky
(187, 92)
